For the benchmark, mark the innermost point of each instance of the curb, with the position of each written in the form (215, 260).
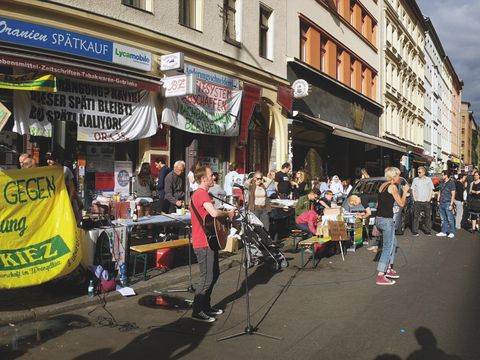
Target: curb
(173, 277)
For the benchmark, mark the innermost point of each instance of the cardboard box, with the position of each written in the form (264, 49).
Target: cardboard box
(331, 212)
(232, 244)
(322, 231)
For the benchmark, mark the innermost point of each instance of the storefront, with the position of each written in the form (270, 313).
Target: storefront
(51, 75)
(334, 129)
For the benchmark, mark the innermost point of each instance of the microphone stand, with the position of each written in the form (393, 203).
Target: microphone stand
(190, 288)
(249, 328)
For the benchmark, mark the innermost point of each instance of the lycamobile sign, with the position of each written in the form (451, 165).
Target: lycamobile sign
(49, 38)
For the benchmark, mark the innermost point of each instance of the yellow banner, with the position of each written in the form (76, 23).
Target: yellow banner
(29, 82)
(38, 232)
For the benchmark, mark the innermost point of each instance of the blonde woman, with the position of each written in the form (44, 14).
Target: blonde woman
(300, 185)
(388, 194)
(364, 173)
(258, 201)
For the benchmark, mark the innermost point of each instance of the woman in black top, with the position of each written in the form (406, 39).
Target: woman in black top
(474, 207)
(387, 196)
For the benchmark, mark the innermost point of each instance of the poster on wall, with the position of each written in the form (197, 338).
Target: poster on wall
(213, 110)
(123, 173)
(103, 114)
(38, 227)
(100, 157)
(210, 161)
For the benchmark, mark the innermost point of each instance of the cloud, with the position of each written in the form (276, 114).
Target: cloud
(457, 25)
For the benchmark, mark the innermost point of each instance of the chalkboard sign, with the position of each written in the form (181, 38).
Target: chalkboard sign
(337, 230)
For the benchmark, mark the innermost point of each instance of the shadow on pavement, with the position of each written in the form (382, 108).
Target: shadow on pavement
(171, 341)
(428, 348)
(17, 340)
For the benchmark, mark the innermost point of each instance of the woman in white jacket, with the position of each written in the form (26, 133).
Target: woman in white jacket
(336, 187)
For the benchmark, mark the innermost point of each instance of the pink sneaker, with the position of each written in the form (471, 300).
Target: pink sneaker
(382, 280)
(391, 274)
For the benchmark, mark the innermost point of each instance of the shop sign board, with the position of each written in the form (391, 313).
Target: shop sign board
(301, 88)
(214, 110)
(69, 42)
(171, 62)
(103, 114)
(212, 77)
(38, 228)
(180, 85)
(123, 173)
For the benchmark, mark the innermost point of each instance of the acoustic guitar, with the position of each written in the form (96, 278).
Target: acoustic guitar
(217, 230)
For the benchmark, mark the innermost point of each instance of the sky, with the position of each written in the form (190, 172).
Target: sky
(457, 25)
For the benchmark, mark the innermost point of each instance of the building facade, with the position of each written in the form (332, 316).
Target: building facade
(334, 46)
(227, 50)
(403, 69)
(468, 143)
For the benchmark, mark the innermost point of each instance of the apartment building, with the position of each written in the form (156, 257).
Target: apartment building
(403, 69)
(235, 47)
(468, 129)
(334, 47)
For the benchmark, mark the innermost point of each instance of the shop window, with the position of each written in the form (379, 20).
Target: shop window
(191, 14)
(266, 32)
(146, 5)
(258, 143)
(232, 21)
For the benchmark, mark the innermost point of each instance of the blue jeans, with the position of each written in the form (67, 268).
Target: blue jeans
(448, 220)
(304, 227)
(387, 227)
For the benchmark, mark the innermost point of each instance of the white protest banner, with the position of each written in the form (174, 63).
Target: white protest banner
(103, 114)
(212, 111)
(123, 172)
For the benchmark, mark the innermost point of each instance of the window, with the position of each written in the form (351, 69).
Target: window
(266, 32)
(303, 41)
(191, 14)
(352, 73)
(139, 4)
(232, 21)
(323, 54)
(339, 65)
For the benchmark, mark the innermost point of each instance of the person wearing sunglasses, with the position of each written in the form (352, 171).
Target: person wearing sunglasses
(258, 201)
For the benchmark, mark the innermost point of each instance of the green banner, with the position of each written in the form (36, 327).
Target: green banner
(27, 82)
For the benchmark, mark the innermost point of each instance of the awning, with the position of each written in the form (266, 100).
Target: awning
(352, 134)
(80, 70)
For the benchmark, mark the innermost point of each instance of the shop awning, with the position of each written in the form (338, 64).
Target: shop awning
(352, 134)
(78, 69)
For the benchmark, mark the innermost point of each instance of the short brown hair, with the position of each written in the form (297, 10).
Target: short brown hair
(200, 172)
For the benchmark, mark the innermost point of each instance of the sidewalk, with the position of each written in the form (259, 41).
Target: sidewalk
(37, 302)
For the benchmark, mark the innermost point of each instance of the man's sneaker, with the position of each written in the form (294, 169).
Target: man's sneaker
(441, 234)
(382, 280)
(451, 235)
(414, 234)
(392, 274)
(201, 316)
(214, 312)
(372, 248)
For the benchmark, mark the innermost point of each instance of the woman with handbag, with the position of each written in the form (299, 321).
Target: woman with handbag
(387, 196)
(258, 201)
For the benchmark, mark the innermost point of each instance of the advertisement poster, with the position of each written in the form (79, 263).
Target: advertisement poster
(39, 239)
(214, 110)
(103, 114)
(100, 157)
(123, 173)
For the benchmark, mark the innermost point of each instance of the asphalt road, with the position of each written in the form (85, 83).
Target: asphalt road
(334, 311)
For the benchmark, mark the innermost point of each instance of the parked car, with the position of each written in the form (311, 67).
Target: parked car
(367, 190)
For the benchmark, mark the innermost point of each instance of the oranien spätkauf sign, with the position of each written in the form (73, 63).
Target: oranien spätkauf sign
(49, 38)
(38, 232)
(103, 114)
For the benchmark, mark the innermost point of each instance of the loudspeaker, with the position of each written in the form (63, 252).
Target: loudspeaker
(64, 140)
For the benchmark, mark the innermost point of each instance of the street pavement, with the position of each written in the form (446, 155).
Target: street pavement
(333, 311)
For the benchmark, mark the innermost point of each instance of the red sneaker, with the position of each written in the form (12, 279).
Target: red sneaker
(391, 274)
(382, 280)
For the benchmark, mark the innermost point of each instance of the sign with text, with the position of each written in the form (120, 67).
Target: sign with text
(180, 85)
(123, 173)
(28, 82)
(212, 111)
(50, 38)
(171, 62)
(4, 115)
(103, 114)
(38, 232)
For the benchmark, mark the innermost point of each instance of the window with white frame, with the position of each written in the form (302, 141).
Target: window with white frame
(146, 5)
(191, 14)
(266, 32)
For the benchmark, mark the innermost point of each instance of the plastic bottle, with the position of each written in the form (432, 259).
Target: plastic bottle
(123, 275)
(129, 213)
(90, 289)
(183, 211)
(135, 215)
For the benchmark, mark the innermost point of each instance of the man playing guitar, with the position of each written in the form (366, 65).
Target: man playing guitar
(207, 258)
